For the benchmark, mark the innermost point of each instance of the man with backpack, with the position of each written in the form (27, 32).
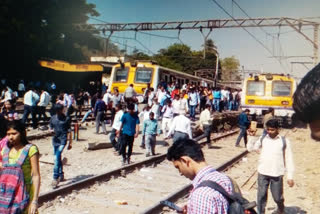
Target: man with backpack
(275, 158)
(213, 192)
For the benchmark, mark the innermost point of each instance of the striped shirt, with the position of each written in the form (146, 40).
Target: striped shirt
(205, 200)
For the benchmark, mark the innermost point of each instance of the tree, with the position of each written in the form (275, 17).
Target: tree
(230, 68)
(31, 29)
(176, 56)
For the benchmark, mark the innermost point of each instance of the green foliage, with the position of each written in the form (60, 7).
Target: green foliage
(32, 29)
(230, 68)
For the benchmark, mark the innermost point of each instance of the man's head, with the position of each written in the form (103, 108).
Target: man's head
(118, 107)
(59, 109)
(273, 128)
(185, 155)
(247, 111)
(131, 108)
(151, 115)
(306, 101)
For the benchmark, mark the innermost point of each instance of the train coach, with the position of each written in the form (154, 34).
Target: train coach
(262, 91)
(142, 73)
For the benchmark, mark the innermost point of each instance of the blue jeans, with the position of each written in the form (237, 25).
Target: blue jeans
(86, 115)
(243, 133)
(58, 169)
(231, 105)
(193, 111)
(216, 103)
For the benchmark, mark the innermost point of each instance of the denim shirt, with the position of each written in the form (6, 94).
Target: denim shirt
(150, 127)
(61, 125)
(243, 120)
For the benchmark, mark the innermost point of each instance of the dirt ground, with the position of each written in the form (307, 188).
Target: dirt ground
(304, 197)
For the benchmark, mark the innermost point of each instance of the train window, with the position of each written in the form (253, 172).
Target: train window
(143, 75)
(255, 88)
(121, 74)
(281, 88)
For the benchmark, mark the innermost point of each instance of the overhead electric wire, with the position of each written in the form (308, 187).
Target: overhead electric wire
(256, 39)
(267, 33)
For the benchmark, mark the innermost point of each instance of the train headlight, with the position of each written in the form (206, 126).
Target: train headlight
(284, 102)
(251, 101)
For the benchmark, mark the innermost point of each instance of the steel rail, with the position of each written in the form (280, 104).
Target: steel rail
(64, 190)
(157, 208)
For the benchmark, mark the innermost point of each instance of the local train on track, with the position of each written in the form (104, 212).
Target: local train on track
(142, 73)
(263, 91)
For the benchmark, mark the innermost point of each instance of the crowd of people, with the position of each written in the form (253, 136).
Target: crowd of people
(170, 105)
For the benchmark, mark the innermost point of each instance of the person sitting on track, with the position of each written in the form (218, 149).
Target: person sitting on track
(188, 158)
(306, 101)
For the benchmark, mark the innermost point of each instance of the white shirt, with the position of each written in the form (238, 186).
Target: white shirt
(8, 95)
(150, 98)
(271, 160)
(181, 124)
(184, 104)
(205, 117)
(160, 95)
(67, 100)
(44, 99)
(156, 110)
(107, 98)
(117, 120)
(145, 115)
(21, 87)
(176, 106)
(167, 111)
(224, 94)
(30, 98)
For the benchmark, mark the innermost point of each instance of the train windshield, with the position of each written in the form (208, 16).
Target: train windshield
(143, 75)
(255, 88)
(121, 74)
(281, 88)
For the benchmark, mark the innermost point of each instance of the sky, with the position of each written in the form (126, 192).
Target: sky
(280, 41)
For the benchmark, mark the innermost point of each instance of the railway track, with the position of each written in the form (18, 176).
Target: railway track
(243, 169)
(132, 188)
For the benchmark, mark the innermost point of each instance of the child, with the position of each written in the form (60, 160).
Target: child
(9, 110)
(150, 128)
(61, 125)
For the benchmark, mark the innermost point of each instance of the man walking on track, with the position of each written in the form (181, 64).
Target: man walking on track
(61, 125)
(275, 159)
(244, 124)
(129, 129)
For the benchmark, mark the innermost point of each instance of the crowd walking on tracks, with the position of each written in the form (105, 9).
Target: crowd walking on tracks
(162, 113)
